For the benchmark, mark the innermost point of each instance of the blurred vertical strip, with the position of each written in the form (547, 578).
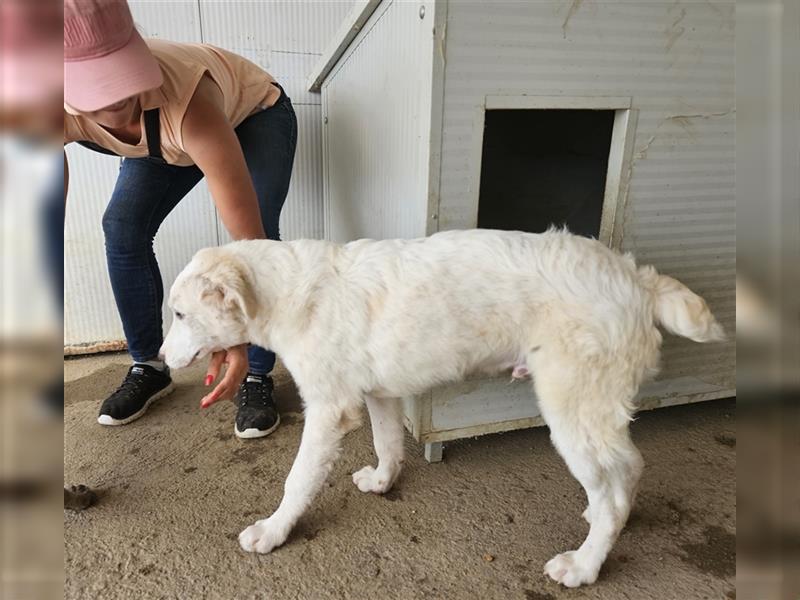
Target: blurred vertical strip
(31, 299)
(768, 298)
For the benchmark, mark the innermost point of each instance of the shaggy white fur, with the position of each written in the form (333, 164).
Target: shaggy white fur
(373, 321)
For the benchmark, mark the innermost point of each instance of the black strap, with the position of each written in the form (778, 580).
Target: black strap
(152, 130)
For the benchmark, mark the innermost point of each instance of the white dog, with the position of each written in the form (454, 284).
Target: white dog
(373, 321)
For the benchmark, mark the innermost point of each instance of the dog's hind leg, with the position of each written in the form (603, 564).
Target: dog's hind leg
(624, 478)
(584, 406)
(386, 416)
(325, 425)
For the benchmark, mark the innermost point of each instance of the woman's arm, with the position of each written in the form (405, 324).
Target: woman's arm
(209, 139)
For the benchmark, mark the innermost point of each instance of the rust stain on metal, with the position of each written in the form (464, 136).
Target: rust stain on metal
(573, 8)
(95, 348)
(683, 121)
(675, 32)
(441, 43)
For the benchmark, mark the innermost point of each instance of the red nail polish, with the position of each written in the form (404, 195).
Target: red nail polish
(209, 379)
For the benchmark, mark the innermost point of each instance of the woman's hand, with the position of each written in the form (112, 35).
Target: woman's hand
(236, 359)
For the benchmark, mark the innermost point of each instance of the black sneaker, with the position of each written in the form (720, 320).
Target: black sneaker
(257, 415)
(143, 384)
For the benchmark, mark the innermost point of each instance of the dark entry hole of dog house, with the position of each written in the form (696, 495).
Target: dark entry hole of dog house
(544, 167)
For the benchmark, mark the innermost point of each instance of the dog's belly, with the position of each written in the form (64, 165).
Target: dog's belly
(409, 379)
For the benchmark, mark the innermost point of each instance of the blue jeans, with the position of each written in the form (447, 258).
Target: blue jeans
(147, 191)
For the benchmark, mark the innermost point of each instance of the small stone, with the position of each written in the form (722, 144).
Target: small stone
(488, 557)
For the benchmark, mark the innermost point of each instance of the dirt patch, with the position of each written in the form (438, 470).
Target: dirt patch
(289, 419)
(310, 535)
(716, 555)
(726, 440)
(393, 495)
(658, 512)
(532, 595)
(248, 453)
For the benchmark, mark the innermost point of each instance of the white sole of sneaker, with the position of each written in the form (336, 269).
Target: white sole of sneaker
(108, 420)
(249, 434)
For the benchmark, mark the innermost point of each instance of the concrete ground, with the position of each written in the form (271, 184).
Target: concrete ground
(177, 487)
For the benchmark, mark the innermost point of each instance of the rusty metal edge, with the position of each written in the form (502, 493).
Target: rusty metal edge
(95, 348)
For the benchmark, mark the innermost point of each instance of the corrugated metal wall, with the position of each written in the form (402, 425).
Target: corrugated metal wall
(377, 150)
(286, 38)
(676, 60)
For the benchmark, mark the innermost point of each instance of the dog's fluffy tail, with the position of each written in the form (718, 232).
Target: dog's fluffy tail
(679, 310)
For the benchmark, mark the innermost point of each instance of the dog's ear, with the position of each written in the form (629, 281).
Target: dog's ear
(226, 281)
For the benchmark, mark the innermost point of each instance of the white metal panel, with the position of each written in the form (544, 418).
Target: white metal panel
(357, 17)
(89, 314)
(283, 37)
(377, 106)
(302, 215)
(477, 407)
(676, 60)
(280, 25)
(175, 20)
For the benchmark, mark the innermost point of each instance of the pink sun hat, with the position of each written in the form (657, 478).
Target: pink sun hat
(105, 58)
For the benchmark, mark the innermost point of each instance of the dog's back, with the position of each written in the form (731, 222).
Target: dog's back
(434, 309)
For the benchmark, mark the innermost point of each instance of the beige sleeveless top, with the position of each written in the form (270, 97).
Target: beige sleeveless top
(245, 87)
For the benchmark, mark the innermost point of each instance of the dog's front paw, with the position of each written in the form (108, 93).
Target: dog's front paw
(370, 480)
(567, 570)
(262, 537)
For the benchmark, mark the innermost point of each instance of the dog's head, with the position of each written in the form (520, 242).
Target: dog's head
(211, 301)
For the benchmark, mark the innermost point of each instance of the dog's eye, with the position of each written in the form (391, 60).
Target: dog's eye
(178, 315)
